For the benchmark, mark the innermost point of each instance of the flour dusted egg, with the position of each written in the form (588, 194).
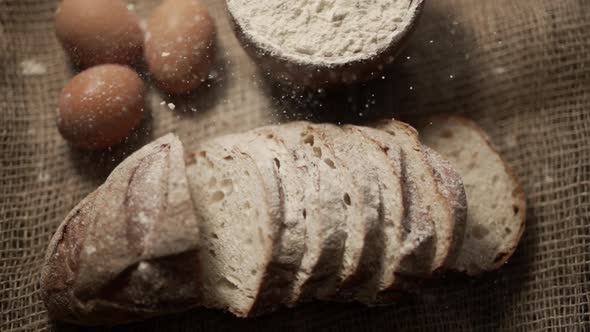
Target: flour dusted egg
(180, 45)
(95, 32)
(101, 106)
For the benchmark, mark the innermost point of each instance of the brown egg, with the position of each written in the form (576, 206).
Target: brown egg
(95, 32)
(99, 107)
(180, 45)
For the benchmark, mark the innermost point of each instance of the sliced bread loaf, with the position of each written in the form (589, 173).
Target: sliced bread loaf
(239, 228)
(325, 227)
(497, 206)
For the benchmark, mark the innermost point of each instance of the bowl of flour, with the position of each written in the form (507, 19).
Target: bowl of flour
(323, 42)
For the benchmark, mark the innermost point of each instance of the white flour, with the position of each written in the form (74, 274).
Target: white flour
(322, 31)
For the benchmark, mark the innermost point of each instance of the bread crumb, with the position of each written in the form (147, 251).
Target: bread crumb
(143, 266)
(165, 54)
(32, 67)
(143, 219)
(90, 249)
(500, 70)
(43, 177)
(143, 25)
(171, 106)
(511, 140)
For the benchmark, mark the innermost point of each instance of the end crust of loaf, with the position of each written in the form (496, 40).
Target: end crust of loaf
(497, 204)
(129, 250)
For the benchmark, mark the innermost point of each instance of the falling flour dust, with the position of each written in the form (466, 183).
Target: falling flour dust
(322, 31)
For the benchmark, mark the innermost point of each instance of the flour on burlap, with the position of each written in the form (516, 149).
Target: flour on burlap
(322, 31)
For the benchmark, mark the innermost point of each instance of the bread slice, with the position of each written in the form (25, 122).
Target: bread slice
(325, 210)
(239, 230)
(450, 185)
(497, 206)
(283, 185)
(425, 207)
(362, 203)
(386, 160)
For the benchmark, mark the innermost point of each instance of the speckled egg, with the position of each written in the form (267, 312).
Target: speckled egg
(180, 45)
(101, 106)
(97, 32)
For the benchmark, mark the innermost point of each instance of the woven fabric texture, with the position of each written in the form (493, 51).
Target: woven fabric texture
(521, 69)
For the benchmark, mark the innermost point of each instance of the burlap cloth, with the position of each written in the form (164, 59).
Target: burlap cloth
(519, 68)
